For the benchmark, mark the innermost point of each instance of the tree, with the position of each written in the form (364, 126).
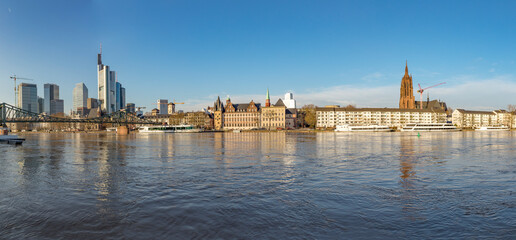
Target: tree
(351, 106)
(511, 108)
(309, 116)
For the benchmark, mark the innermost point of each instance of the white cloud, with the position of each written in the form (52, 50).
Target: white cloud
(460, 92)
(9, 9)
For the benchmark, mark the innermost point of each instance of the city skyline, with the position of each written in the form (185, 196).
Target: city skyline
(326, 53)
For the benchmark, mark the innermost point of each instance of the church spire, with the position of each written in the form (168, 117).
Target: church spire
(267, 99)
(407, 100)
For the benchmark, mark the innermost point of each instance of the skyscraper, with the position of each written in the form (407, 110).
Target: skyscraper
(163, 106)
(92, 103)
(122, 98)
(80, 96)
(107, 92)
(41, 103)
(28, 97)
(289, 101)
(131, 107)
(407, 100)
(51, 92)
(56, 106)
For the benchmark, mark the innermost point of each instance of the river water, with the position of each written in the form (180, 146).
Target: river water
(259, 185)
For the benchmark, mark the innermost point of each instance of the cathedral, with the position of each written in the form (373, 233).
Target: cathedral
(407, 100)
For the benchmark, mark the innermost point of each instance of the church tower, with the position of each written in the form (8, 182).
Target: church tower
(407, 100)
(267, 99)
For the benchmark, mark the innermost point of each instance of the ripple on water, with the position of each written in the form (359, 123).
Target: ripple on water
(259, 185)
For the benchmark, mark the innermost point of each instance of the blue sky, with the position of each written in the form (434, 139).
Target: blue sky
(326, 52)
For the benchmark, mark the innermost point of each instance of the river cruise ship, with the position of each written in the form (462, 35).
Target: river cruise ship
(429, 127)
(170, 129)
(493, 128)
(369, 128)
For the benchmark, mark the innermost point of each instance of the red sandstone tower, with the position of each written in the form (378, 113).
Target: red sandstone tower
(407, 99)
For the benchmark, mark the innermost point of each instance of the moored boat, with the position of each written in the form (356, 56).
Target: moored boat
(493, 128)
(429, 127)
(367, 128)
(9, 139)
(170, 129)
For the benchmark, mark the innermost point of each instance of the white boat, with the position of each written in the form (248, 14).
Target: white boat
(493, 128)
(170, 129)
(10, 139)
(368, 128)
(430, 127)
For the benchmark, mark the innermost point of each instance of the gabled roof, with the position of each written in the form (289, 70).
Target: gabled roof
(279, 103)
(244, 106)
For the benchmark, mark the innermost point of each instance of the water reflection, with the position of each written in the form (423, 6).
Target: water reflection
(286, 185)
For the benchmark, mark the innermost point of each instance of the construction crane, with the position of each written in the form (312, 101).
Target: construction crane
(14, 77)
(421, 90)
(178, 102)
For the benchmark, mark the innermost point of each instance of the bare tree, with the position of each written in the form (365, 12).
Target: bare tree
(351, 106)
(511, 108)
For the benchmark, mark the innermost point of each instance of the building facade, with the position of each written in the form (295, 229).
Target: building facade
(122, 98)
(50, 93)
(92, 103)
(163, 106)
(475, 119)
(407, 100)
(218, 110)
(273, 117)
(330, 117)
(56, 107)
(41, 104)
(171, 108)
(28, 97)
(289, 100)
(241, 116)
(130, 107)
(111, 97)
(80, 97)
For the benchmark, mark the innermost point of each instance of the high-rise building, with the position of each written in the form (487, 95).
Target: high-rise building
(80, 96)
(171, 108)
(107, 94)
(289, 101)
(118, 96)
(28, 97)
(51, 92)
(163, 106)
(407, 100)
(122, 98)
(41, 104)
(56, 106)
(92, 103)
(131, 107)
